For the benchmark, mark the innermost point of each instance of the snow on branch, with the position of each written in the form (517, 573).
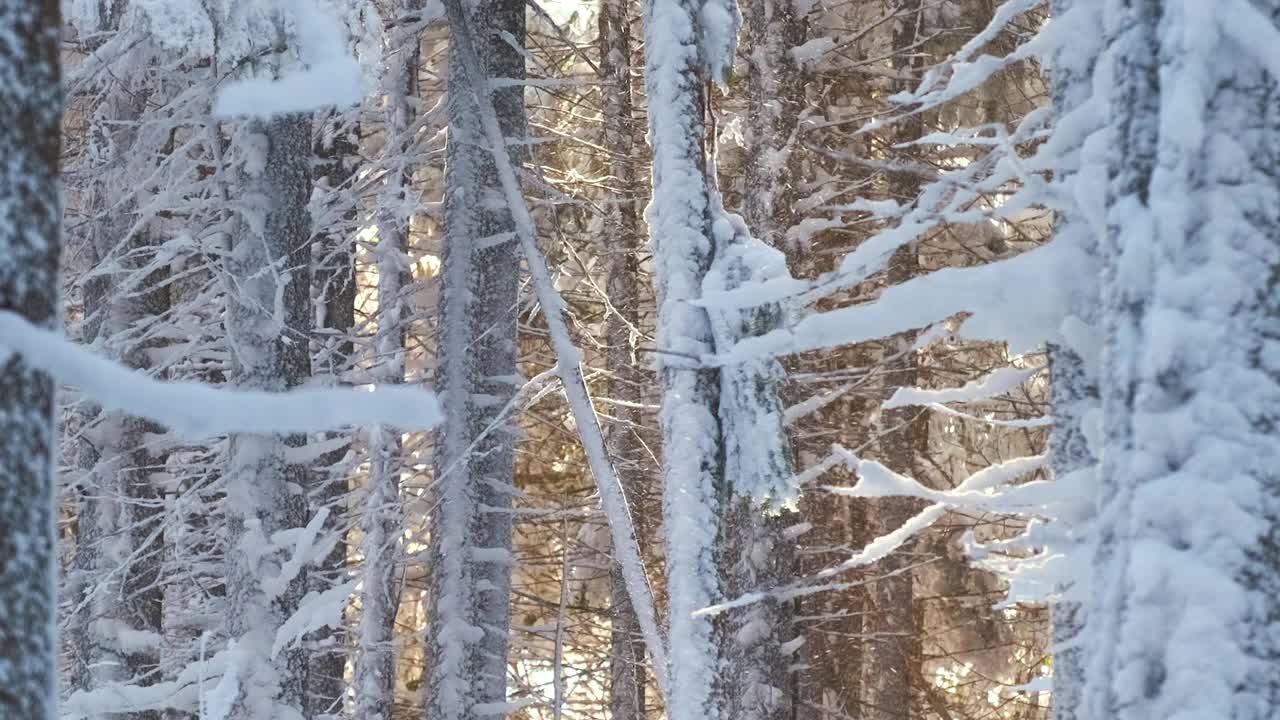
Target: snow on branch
(998, 382)
(196, 410)
(182, 693)
(1018, 300)
(968, 73)
(981, 489)
(330, 75)
(990, 488)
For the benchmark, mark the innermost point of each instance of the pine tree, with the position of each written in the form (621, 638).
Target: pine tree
(891, 661)
(1074, 386)
(726, 462)
(30, 113)
(621, 240)
(1186, 569)
(375, 679)
(334, 288)
(269, 267)
(119, 549)
(679, 217)
(471, 526)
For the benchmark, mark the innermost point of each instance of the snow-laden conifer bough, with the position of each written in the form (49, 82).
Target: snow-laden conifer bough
(196, 410)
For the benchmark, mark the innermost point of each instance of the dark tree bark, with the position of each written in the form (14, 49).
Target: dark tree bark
(30, 218)
(890, 656)
(471, 527)
(261, 499)
(333, 255)
(621, 242)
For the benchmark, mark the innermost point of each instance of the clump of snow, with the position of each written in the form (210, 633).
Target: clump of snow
(329, 74)
(718, 24)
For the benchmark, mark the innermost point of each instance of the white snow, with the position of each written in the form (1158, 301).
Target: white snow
(198, 411)
(316, 610)
(1021, 301)
(998, 382)
(330, 75)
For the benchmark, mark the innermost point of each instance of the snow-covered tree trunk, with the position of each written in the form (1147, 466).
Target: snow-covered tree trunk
(117, 632)
(375, 680)
(127, 621)
(1074, 389)
(268, 322)
(621, 241)
(1073, 392)
(30, 118)
(333, 255)
(471, 525)
(775, 99)
(1187, 572)
(754, 554)
(679, 217)
(726, 461)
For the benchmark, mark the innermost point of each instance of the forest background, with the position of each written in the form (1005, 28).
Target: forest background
(821, 557)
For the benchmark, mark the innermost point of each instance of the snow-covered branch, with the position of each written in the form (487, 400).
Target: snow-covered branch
(196, 410)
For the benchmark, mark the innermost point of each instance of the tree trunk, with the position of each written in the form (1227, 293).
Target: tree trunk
(620, 241)
(769, 687)
(890, 659)
(269, 264)
(333, 256)
(470, 552)
(30, 115)
(679, 217)
(375, 674)
(1074, 389)
(1187, 572)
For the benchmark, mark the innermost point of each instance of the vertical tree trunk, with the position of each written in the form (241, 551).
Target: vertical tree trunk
(375, 679)
(269, 267)
(620, 241)
(726, 462)
(775, 99)
(890, 661)
(120, 506)
(471, 526)
(776, 91)
(679, 217)
(30, 118)
(1186, 570)
(333, 255)
(1074, 389)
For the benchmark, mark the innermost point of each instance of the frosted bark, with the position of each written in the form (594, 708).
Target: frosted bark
(775, 99)
(334, 289)
(30, 205)
(268, 326)
(1186, 570)
(119, 544)
(626, 380)
(679, 218)
(754, 555)
(568, 359)
(726, 459)
(471, 526)
(374, 680)
(1074, 390)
